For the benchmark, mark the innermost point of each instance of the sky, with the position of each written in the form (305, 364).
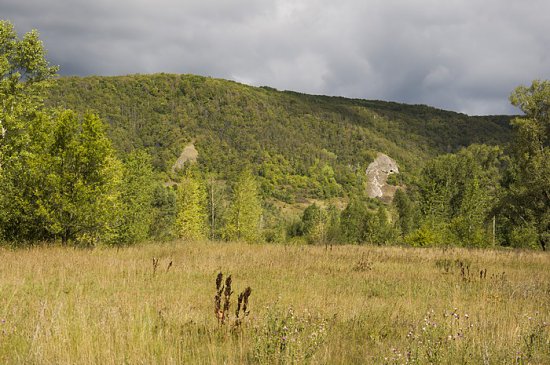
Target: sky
(461, 55)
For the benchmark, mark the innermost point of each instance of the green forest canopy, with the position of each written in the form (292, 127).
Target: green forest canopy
(71, 175)
(285, 136)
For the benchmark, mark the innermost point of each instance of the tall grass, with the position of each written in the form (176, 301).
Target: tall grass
(351, 304)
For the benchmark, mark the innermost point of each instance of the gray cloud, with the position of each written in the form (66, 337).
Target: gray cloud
(463, 55)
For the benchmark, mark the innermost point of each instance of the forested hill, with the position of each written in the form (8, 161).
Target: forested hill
(282, 133)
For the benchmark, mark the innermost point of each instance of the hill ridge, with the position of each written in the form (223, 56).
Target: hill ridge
(290, 138)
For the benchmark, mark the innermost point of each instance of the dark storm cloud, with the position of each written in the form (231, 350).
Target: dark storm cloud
(461, 55)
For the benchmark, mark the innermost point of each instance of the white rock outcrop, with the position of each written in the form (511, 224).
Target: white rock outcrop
(377, 177)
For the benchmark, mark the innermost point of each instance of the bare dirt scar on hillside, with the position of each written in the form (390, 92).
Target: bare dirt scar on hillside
(189, 154)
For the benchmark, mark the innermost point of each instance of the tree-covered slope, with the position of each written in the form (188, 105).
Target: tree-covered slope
(295, 142)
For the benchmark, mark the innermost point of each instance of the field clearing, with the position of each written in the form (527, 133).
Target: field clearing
(345, 305)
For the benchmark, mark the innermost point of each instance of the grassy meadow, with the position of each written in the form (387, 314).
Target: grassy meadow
(345, 305)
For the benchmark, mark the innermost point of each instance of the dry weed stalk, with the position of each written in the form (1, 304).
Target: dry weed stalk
(155, 264)
(242, 302)
(218, 298)
(226, 298)
(225, 291)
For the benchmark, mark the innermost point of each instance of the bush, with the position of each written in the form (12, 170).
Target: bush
(524, 237)
(426, 236)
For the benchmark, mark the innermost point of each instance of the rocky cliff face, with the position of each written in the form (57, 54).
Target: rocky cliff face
(377, 177)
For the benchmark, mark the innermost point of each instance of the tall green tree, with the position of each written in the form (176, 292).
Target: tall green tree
(216, 191)
(24, 76)
(379, 228)
(245, 213)
(192, 218)
(136, 198)
(468, 224)
(406, 212)
(438, 189)
(353, 220)
(165, 210)
(459, 193)
(310, 217)
(82, 181)
(334, 233)
(315, 224)
(24, 184)
(527, 204)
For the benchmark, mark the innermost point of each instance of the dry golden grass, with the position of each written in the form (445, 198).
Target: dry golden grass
(351, 304)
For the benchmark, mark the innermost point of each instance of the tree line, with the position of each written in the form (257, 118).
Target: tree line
(62, 179)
